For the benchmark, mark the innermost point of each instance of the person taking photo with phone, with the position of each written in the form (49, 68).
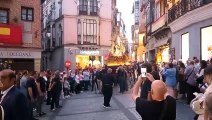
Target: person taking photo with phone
(160, 106)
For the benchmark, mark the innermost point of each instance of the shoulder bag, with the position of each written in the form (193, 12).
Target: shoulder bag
(189, 75)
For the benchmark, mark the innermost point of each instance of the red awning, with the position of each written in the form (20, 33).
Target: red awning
(10, 34)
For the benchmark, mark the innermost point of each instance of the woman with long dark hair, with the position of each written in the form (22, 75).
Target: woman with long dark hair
(56, 88)
(182, 83)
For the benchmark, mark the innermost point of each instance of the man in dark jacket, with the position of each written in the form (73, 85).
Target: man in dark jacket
(107, 84)
(14, 102)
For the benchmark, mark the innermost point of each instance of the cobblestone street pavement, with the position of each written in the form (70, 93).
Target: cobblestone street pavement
(88, 106)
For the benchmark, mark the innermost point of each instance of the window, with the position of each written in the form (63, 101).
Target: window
(4, 16)
(83, 7)
(157, 11)
(162, 8)
(79, 31)
(89, 32)
(93, 7)
(185, 47)
(206, 43)
(148, 20)
(27, 14)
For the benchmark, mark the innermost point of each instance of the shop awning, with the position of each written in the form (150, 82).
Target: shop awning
(159, 43)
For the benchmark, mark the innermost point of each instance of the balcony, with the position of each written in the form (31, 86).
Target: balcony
(183, 7)
(10, 34)
(160, 22)
(83, 9)
(93, 10)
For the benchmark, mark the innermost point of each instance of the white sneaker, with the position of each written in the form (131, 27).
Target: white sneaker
(106, 106)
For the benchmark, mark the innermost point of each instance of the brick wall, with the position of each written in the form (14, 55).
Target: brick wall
(14, 7)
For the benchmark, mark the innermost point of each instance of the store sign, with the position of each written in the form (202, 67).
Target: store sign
(19, 54)
(89, 52)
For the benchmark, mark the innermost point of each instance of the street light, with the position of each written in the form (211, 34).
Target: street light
(48, 34)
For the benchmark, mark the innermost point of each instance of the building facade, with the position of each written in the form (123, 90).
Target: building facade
(79, 31)
(135, 30)
(191, 25)
(138, 31)
(20, 38)
(158, 34)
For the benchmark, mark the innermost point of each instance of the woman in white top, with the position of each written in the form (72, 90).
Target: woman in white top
(203, 65)
(86, 75)
(78, 79)
(197, 103)
(200, 75)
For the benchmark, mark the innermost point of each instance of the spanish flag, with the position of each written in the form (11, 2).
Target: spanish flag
(10, 34)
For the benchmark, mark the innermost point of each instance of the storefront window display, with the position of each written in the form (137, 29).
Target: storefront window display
(185, 47)
(84, 61)
(206, 43)
(163, 54)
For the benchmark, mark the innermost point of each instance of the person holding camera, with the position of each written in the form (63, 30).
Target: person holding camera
(160, 105)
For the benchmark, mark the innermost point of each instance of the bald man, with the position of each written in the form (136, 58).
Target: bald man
(12, 100)
(158, 105)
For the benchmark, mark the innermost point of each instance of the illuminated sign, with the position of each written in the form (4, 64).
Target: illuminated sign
(89, 52)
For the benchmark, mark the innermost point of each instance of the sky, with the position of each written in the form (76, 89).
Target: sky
(125, 7)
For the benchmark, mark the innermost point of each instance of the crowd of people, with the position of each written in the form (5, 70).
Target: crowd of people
(168, 82)
(160, 88)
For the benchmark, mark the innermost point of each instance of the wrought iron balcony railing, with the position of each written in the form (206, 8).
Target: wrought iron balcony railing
(94, 10)
(83, 9)
(184, 6)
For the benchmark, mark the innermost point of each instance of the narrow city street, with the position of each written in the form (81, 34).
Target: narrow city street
(89, 105)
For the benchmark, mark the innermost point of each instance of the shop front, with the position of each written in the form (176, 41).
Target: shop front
(17, 59)
(162, 50)
(206, 43)
(162, 54)
(83, 57)
(89, 57)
